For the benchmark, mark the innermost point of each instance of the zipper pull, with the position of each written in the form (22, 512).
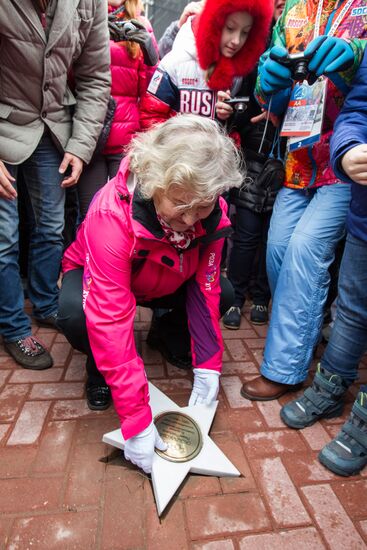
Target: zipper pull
(181, 262)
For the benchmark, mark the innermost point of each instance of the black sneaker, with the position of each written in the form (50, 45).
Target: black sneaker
(29, 353)
(259, 314)
(232, 318)
(98, 397)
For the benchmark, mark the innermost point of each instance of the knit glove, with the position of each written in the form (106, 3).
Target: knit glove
(329, 55)
(273, 75)
(140, 448)
(134, 31)
(206, 387)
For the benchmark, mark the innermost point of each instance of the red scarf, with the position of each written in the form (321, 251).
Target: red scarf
(179, 239)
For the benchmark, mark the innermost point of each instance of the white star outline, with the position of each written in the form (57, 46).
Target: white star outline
(167, 476)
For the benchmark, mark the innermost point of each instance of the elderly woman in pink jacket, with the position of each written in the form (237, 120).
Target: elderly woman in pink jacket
(131, 72)
(153, 237)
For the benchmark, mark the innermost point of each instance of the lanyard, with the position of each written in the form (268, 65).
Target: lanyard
(337, 21)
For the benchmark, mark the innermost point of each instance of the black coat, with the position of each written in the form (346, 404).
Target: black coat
(263, 177)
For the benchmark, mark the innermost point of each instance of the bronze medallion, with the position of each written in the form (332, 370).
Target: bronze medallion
(182, 435)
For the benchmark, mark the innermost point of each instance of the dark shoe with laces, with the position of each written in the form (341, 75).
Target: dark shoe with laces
(98, 397)
(29, 353)
(323, 399)
(259, 314)
(346, 455)
(232, 318)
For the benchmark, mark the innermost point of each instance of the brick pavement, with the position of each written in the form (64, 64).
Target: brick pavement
(61, 488)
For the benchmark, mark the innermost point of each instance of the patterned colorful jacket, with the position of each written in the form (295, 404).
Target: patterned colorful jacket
(128, 260)
(310, 166)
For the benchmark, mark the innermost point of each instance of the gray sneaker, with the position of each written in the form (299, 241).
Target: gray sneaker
(29, 353)
(323, 399)
(346, 454)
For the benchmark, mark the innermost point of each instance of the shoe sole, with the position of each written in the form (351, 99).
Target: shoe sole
(259, 322)
(299, 426)
(334, 468)
(231, 327)
(256, 398)
(30, 367)
(98, 408)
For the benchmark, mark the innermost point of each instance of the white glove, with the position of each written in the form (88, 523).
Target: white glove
(205, 388)
(140, 448)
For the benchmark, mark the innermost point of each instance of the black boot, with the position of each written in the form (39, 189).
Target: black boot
(170, 335)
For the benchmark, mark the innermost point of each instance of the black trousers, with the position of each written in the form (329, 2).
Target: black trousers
(71, 318)
(249, 243)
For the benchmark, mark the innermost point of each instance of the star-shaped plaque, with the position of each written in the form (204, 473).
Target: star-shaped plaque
(190, 449)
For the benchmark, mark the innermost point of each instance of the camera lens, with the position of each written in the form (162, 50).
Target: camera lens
(241, 107)
(300, 70)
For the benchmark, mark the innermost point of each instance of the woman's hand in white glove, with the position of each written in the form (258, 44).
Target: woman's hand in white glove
(140, 448)
(206, 387)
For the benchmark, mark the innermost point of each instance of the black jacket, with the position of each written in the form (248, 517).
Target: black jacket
(263, 177)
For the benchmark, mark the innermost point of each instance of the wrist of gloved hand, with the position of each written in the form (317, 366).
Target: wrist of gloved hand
(273, 75)
(140, 448)
(205, 388)
(328, 55)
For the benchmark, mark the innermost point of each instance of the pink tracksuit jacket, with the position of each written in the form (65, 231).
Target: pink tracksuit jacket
(128, 260)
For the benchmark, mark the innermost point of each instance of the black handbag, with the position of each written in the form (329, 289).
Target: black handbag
(264, 177)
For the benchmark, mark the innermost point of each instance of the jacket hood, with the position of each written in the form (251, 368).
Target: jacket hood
(208, 28)
(185, 39)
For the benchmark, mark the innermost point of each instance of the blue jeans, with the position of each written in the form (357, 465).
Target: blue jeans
(305, 228)
(348, 340)
(42, 179)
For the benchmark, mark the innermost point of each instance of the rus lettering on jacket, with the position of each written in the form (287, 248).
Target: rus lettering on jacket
(197, 102)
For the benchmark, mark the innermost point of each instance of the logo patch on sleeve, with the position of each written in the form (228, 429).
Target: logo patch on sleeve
(155, 82)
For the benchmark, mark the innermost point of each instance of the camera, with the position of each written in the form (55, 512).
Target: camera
(119, 29)
(239, 104)
(298, 64)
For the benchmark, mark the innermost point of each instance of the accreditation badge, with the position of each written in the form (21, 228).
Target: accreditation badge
(304, 109)
(295, 143)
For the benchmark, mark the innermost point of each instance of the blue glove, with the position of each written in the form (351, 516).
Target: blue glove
(329, 55)
(273, 75)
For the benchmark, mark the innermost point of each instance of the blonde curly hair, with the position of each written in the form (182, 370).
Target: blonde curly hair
(189, 152)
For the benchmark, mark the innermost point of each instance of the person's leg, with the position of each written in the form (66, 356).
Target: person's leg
(71, 215)
(246, 238)
(348, 339)
(93, 177)
(300, 294)
(71, 321)
(43, 181)
(302, 286)
(289, 207)
(113, 164)
(15, 325)
(348, 343)
(261, 290)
